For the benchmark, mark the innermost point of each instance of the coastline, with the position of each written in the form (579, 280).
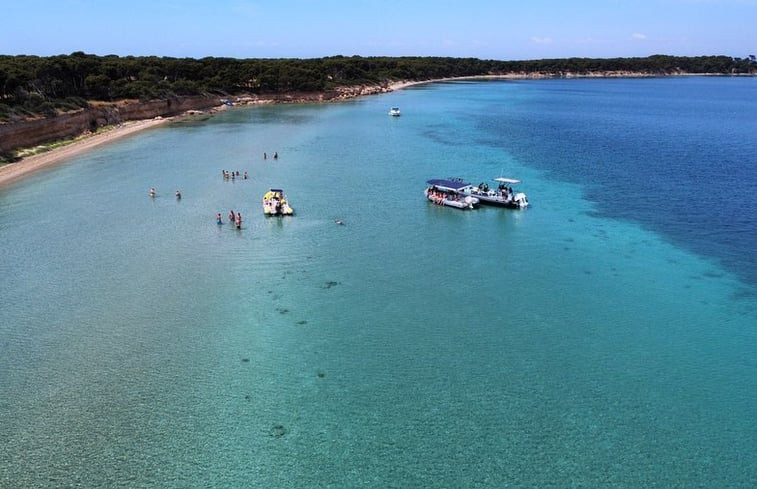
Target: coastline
(11, 172)
(28, 165)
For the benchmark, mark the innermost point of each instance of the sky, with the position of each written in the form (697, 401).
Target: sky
(485, 29)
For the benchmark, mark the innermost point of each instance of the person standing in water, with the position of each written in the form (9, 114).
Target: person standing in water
(239, 220)
(152, 191)
(219, 219)
(231, 216)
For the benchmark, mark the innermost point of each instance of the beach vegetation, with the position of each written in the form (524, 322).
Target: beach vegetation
(33, 85)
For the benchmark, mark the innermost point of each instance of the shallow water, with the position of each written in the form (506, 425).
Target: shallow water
(578, 342)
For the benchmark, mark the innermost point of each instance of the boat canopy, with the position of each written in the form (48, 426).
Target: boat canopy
(276, 190)
(451, 184)
(511, 181)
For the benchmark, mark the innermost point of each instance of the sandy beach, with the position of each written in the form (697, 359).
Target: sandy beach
(26, 166)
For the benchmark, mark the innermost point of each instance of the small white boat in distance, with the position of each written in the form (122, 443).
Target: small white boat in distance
(450, 193)
(394, 111)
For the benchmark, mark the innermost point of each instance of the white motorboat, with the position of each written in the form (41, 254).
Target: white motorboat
(394, 111)
(503, 195)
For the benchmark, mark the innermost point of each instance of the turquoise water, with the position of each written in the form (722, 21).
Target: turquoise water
(142, 345)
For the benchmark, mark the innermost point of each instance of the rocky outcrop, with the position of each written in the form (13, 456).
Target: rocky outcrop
(335, 95)
(32, 132)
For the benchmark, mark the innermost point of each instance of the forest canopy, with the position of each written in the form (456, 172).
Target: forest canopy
(33, 85)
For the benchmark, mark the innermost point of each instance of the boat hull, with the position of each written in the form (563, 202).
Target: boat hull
(510, 200)
(511, 203)
(269, 212)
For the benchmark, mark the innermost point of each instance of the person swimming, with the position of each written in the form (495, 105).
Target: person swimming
(178, 194)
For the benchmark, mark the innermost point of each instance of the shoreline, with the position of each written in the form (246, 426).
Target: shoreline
(28, 165)
(12, 172)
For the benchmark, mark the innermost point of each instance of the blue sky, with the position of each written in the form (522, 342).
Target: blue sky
(486, 29)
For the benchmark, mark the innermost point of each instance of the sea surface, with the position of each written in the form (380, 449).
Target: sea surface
(606, 336)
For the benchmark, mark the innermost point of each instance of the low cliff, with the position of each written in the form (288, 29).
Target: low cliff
(28, 133)
(32, 132)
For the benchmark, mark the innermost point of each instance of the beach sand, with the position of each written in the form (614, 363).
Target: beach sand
(17, 170)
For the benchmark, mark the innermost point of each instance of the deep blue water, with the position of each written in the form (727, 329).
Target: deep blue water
(605, 336)
(678, 156)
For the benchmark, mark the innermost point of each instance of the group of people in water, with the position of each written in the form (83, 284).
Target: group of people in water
(234, 218)
(153, 193)
(233, 175)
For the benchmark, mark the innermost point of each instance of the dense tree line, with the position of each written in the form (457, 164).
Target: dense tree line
(31, 85)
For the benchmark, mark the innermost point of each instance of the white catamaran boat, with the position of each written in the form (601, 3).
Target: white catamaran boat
(503, 195)
(450, 193)
(275, 203)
